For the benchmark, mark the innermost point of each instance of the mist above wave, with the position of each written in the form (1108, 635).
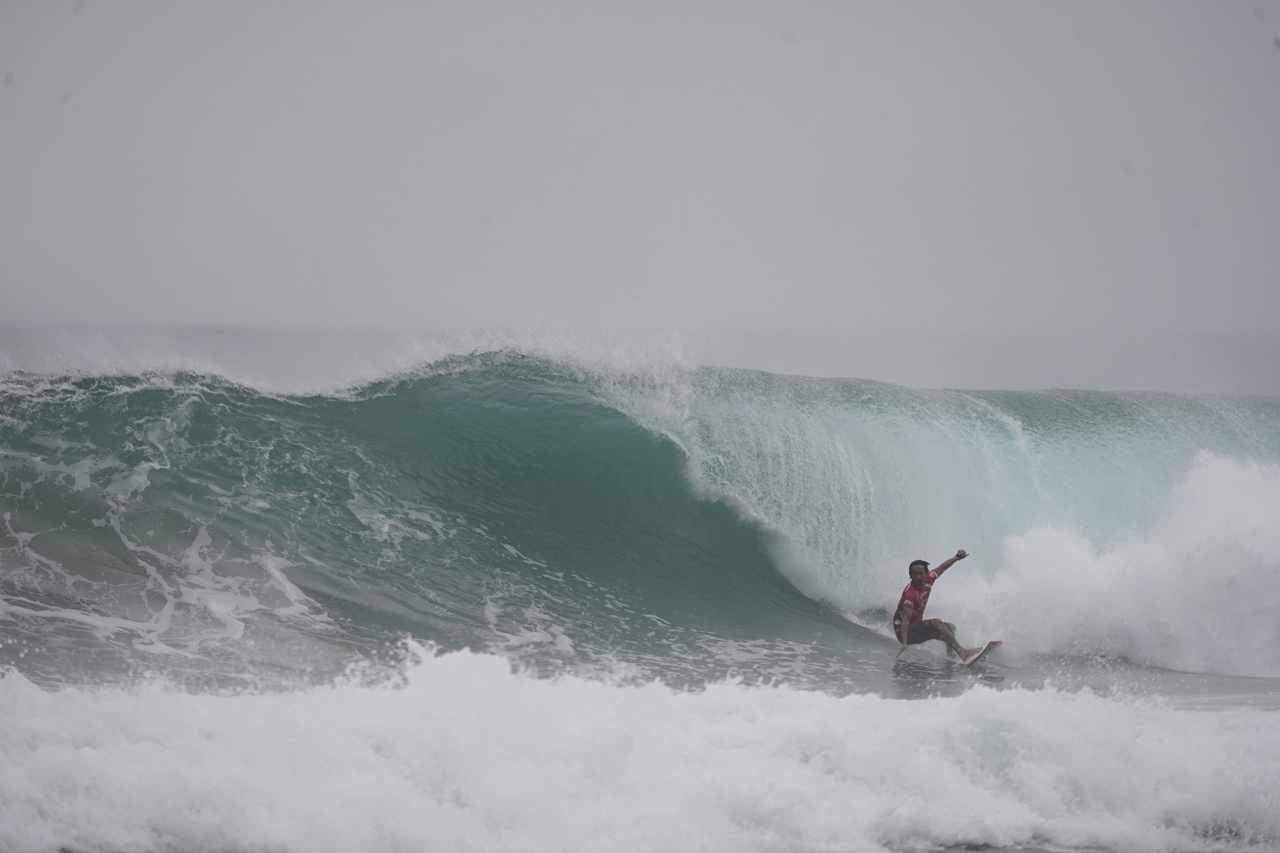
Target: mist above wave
(304, 362)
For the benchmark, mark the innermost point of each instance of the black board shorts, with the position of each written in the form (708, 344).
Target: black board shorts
(920, 632)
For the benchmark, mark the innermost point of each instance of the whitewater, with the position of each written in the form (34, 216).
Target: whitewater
(529, 595)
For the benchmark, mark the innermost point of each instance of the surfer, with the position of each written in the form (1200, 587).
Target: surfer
(909, 624)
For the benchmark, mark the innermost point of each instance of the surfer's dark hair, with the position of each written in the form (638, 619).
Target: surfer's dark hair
(915, 563)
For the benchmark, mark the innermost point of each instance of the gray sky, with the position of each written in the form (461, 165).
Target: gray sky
(1072, 171)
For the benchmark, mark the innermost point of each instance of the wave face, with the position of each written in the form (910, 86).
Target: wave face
(492, 504)
(1137, 525)
(659, 573)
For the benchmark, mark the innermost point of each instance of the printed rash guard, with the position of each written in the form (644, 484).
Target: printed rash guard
(918, 599)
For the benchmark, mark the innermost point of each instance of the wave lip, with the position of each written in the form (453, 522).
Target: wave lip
(316, 362)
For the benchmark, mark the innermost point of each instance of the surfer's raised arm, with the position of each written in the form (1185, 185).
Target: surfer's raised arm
(951, 561)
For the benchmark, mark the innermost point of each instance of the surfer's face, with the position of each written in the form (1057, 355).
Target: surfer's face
(917, 575)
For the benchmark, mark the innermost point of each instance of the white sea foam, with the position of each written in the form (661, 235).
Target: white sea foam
(1200, 592)
(465, 755)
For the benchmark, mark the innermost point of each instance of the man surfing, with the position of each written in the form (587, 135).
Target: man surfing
(909, 624)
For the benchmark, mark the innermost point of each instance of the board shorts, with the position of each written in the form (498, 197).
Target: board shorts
(921, 632)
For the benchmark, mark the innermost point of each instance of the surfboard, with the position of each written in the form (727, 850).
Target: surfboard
(991, 644)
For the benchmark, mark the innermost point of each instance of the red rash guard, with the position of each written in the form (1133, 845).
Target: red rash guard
(918, 598)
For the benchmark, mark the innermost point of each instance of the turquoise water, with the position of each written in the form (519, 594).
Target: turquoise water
(503, 601)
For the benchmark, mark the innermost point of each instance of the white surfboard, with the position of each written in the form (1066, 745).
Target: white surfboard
(977, 656)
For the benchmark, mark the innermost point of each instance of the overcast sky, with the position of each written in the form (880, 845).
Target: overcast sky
(985, 169)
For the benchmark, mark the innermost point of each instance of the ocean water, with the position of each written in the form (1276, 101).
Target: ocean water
(519, 598)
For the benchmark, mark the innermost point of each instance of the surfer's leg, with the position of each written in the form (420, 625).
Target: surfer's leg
(947, 632)
(952, 628)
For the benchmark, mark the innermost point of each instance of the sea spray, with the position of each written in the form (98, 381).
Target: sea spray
(1199, 592)
(1138, 525)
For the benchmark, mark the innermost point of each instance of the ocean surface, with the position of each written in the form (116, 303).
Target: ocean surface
(527, 601)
